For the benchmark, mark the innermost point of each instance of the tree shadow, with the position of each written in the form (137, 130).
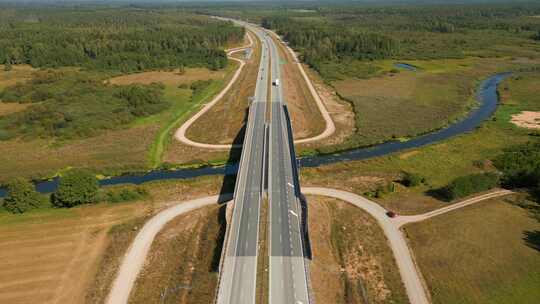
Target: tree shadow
(440, 194)
(532, 239)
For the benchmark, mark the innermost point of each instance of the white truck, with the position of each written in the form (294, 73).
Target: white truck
(276, 82)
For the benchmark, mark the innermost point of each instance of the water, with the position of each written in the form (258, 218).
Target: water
(405, 66)
(486, 95)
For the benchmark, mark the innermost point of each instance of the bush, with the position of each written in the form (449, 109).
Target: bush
(21, 196)
(125, 195)
(75, 188)
(520, 166)
(412, 179)
(469, 184)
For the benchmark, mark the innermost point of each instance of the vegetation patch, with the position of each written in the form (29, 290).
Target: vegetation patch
(480, 254)
(469, 184)
(183, 261)
(352, 261)
(73, 105)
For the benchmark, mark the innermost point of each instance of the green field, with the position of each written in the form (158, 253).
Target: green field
(479, 255)
(439, 163)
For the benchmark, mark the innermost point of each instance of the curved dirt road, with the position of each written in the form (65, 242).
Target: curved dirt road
(330, 126)
(407, 268)
(136, 255)
(180, 134)
(406, 219)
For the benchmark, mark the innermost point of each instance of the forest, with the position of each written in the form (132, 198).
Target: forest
(334, 38)
(124, 40)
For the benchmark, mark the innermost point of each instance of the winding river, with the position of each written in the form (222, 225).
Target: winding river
(486, 95)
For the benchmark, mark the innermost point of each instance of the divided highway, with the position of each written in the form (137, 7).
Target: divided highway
(238, 275)
(288, 274)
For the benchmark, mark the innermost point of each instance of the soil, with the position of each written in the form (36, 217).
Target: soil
(527, 119)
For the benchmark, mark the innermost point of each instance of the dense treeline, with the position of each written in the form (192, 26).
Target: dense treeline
(123, 40)
(521, 167)
(74, 104)
(339, 39)
(320, 42)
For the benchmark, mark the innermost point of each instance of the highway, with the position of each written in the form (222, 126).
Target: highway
(288, 277)
(237, 284)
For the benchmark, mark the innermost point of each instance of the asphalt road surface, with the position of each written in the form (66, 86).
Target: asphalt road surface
(288, 278)
(239, 271)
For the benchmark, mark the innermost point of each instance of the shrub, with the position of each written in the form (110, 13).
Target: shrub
(412, 179)
(469, 184)
(125, 195)
(21, 196)
(75, 188)
(520, 166)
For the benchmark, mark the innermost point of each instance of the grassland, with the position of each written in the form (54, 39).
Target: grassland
(224, 122)
(408, 103)
(182, 264)
(478, 254)
(351, 259)
(136, 147)
(306, 118)
(70, 255)
(438, 163)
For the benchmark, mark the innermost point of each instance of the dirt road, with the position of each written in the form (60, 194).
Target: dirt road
(136, 255)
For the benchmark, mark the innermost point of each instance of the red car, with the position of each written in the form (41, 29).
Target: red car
(391, 214)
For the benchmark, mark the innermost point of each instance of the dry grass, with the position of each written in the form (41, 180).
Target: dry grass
(224, 122)
(174, 77)
(18, 73)
(8, 108)
(182, 264)
(340, 111)
(352, 262)
(71, 255)
(112, 151)
(479, 254)
(306, 118)
(406, 104)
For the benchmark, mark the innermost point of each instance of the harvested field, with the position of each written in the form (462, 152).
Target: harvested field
(224, 122)
(174, 77)
(58, 255)
(183, 261)
(483, 253)
(352, 262)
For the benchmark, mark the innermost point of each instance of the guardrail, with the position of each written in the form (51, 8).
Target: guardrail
(298, 194)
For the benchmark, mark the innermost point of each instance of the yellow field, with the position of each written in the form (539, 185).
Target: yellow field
(168, 77)
(52, 255)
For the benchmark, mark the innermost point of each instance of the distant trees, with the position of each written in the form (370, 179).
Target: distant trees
(320, 42)
(76, 187)
(21, 196)
(122, 40)
(537, 36)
